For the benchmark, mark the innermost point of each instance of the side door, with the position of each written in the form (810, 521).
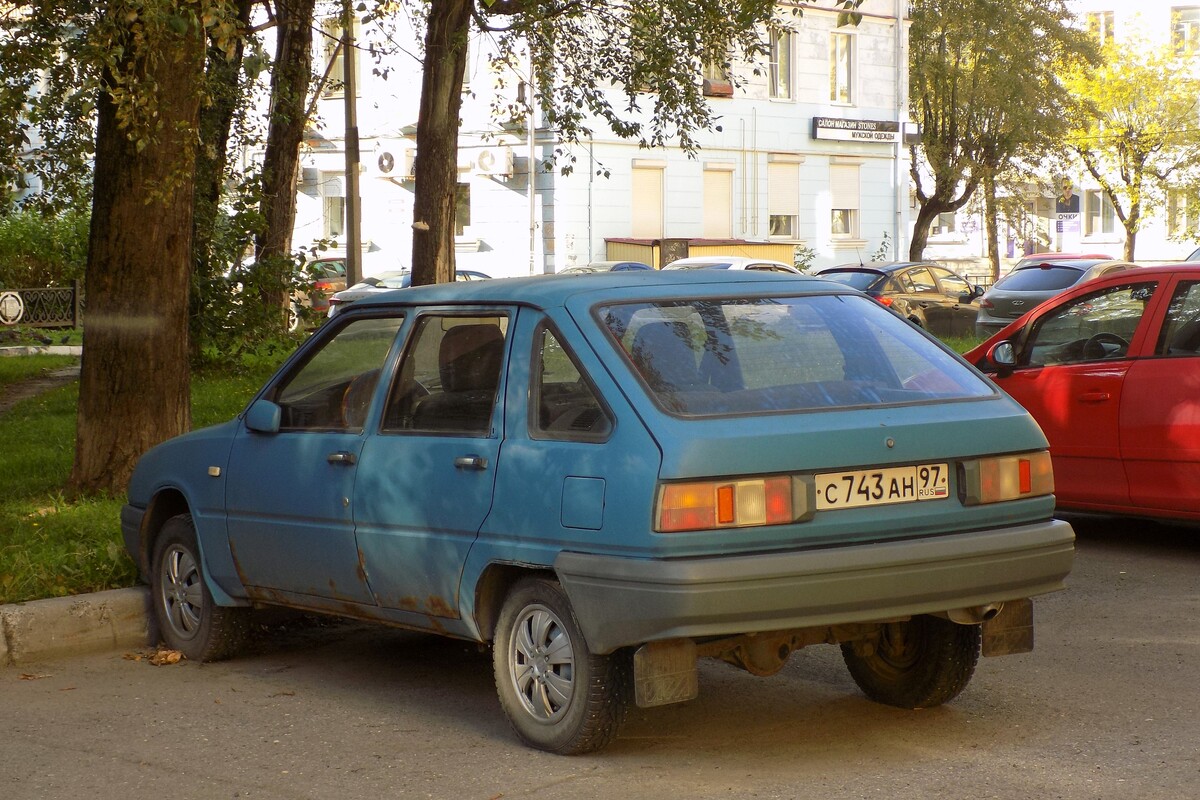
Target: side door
(291, 531)
(425, 481)
(961, 314)
(1071, 376)
(1160, 412)
(925, 300)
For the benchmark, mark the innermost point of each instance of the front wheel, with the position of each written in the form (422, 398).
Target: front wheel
(557, 695)
(920, 663)
(188, 619)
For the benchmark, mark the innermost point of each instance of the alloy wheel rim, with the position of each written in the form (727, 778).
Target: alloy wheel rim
(541, 663)
(181, 593)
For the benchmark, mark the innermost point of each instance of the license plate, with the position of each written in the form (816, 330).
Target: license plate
(881, 487)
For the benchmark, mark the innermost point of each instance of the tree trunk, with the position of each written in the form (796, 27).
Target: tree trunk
(216, 119)
(134, 382)
(290, 78)
(926, 214)
(992, 225)
(437, 140)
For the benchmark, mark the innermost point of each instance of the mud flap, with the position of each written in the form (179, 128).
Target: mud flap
(665, 672)
(1011, 631)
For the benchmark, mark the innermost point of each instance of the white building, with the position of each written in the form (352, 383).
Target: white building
(808, 153)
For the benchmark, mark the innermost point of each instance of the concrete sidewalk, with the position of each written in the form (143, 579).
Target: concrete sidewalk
(45, 629)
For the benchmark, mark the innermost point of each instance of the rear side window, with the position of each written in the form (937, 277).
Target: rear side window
(1040, 279)
(859, 279)
(1180, 335)
(758, 355)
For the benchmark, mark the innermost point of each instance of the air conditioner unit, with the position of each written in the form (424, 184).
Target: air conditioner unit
(493, 161)
(392, 158)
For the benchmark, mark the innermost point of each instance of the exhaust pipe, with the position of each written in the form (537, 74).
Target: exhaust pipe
(974, 614)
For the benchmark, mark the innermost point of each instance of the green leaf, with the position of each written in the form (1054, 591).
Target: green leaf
(177, 24)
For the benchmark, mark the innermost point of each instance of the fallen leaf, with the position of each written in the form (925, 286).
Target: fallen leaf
(166, 657)
(29, 676)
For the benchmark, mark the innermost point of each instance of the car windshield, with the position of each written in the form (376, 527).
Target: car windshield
(860, 279)
(1042, 278)
(702, 265)
(762, 355)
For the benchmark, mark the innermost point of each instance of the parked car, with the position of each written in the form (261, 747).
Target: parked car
(927, 295)
(1110, 369)
(607, 478)
(606, 266)
(384, 282)
(1194, 255)
(1037, 258)
(327, 276)
(732, 262)
(1035, 282)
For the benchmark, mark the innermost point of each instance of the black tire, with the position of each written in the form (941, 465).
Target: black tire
(188, 619)
(557, 695)
(921, 663)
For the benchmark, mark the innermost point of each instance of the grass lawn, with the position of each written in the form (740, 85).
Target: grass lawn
(51, 546)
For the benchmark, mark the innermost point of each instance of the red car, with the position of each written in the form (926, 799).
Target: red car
(1111, 371)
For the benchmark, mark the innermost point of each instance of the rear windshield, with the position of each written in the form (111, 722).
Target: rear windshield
(1039, 279)
(857, 278)
(754, 355)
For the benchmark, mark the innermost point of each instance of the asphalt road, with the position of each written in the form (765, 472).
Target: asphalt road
(1106, 707)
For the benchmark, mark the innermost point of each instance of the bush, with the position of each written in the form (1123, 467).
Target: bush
(42, 250)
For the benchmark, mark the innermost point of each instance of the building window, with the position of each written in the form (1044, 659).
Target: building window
(1183, 215)
(1101, 216)
(783, 200)
(1185, 29)
(333, 60)
(718, 203)
(647, 203)
(781, 64)
(843, 189)
(462, 208)
(943, 223)
(1100, 25)
(841, 68)
(716, 77)
(333, 196)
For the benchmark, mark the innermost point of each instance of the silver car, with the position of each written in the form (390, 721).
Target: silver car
(1026, 287)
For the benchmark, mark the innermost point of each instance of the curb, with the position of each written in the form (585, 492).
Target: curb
(60, 626)
(42, 350)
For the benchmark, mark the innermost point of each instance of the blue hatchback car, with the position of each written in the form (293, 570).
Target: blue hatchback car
(609, 476)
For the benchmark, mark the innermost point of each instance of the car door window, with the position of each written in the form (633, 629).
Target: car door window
(332, 388)
(1089, 328)
(566, 405)
(920, 281)
(450, 376)
(1180, 334)
(952, 285)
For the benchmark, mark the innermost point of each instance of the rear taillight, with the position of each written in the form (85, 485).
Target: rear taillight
(985, 303)
(886, 301)
(728, 504)
(1001, 478)
(322, 286)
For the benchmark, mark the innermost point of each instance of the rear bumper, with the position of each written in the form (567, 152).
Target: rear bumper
(626, 601)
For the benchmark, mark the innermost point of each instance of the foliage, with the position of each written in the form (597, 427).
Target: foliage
(1138, 144)
(47, 100)
(803, 257)
(881, 252)
(38, 249)
(983, 85)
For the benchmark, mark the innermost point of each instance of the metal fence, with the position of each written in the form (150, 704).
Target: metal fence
(47, 307)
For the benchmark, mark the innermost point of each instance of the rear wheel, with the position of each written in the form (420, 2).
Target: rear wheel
(188, 619)
(557, 695)
(920, 663)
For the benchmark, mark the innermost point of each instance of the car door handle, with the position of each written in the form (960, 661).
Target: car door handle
(1095, 397)
(470, 462)
(341, 457)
